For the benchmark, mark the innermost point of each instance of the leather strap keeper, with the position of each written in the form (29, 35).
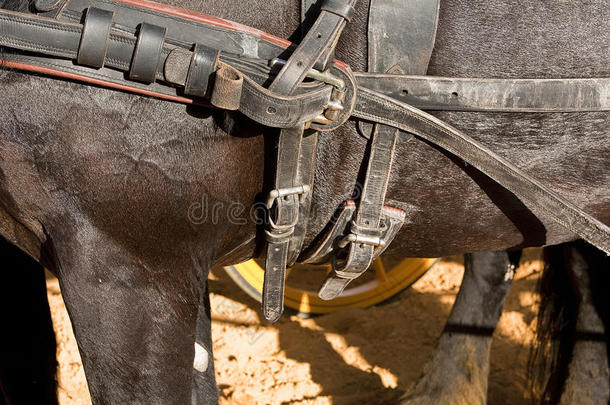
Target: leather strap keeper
(94, 39)
(204, 63)
(147, 53)
(339, 7)
(228, 85)
(46, 5)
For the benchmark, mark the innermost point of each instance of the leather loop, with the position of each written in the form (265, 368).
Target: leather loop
(46, 5)
(227, 88)
(339, 7)
(94, 38)
(204, 63)
(147, 53)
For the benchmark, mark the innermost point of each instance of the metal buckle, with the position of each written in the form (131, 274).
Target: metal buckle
(281, 193)
(335, 104)
(364, 239)
(324, 77)
(284, 192)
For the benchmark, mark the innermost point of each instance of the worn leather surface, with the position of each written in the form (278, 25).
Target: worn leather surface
(493, 95)
(401, 35)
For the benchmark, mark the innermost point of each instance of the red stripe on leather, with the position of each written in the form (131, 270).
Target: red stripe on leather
(216, 21)
(206, 19)
(73, 76)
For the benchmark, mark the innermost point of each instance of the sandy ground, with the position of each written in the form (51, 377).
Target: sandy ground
(356, 356)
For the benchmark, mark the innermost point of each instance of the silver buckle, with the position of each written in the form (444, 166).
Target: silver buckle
(280, 193)
(363, 239)
(284, 192)
(324, 77)
(335, 104)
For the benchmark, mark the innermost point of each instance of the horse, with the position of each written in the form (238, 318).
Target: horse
(100, 185)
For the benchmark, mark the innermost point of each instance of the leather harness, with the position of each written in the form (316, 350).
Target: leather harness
(183, 56)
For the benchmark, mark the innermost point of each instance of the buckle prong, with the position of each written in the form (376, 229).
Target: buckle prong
(324, 77)
(364, 239)
(283, 192)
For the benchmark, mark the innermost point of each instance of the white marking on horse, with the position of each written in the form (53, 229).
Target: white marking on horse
(200, 363)
(510, 272)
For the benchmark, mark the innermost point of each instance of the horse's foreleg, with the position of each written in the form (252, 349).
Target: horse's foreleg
(27, 339)
(459, 369)
(135, 320)
(205, 391)
(588, 379)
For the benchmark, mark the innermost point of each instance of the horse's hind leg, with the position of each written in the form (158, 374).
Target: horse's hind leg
(588, 375)
(135, 320)
(458, 371)
(27, 341)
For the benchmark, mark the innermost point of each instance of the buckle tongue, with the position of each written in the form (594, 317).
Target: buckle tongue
(324, 77)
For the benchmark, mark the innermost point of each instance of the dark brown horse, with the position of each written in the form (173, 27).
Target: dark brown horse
(102, 186)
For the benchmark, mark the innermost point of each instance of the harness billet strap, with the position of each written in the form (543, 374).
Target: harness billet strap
(284, 199)
(182, 56)
(401, 37)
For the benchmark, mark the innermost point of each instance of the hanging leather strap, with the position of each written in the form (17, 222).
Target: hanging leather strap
(401, 35)
(283, 201)
(366, 229)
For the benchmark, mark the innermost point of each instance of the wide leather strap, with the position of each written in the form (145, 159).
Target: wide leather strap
(491, 95)
(542, 200)
(401, 35)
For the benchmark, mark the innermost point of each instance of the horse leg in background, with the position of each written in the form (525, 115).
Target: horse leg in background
(135, 320)
(570, 361)
(588, 381)
(27, 342)
(459, 369)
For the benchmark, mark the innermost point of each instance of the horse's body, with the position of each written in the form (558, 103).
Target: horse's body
(134, 199)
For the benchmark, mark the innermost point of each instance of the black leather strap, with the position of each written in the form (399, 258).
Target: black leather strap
(339, 7)
(204, 63)
(147, 54)
(94, 38)
(408, 28)
(483, 94)
(322, 37)
(366, 230)
(305, 176)
(283, 216)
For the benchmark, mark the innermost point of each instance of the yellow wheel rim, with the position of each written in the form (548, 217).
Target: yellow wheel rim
(384, 281)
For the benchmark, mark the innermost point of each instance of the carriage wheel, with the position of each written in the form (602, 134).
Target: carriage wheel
(383, 280)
